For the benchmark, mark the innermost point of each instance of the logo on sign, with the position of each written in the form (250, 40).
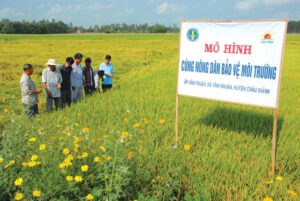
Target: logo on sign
(192, 34)
(267, 38)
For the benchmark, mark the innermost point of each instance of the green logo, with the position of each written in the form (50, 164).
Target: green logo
(192, 34)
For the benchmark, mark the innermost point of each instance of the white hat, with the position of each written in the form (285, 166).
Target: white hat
(51, 62)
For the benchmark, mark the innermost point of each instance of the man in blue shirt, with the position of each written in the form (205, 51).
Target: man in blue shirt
(77, 78)
(108, 69)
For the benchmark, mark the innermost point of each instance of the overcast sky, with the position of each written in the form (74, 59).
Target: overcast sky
(91, 12)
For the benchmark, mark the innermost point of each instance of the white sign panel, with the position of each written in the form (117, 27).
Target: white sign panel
(237, 61)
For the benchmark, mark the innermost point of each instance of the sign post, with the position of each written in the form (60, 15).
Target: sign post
(233, 61)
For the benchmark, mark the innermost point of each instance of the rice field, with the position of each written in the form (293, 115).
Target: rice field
(121, 145)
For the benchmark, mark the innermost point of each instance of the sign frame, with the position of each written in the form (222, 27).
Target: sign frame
(275, 115)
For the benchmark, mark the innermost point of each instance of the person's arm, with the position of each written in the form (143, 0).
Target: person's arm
(44, 84)
(49, 94)
(26, 90)
(83, 78)
(96, 80)
(112, 72)
(59, 80)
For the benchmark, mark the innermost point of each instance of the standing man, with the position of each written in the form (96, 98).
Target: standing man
(77, 78)
(51, 79)
(108, 69)
(29, 92)
(89, 84)
(66, 71)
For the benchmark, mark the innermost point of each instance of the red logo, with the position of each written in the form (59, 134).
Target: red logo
(267, 36)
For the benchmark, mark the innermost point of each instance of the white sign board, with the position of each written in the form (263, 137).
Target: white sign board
(238, 61)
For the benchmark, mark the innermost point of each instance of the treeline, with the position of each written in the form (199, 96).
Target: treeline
(293, 27)
(53, 26)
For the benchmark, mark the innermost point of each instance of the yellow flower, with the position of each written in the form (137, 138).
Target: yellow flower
(279, 178)
(126, 119)
(1, 159)
(86, 129)
(129, 154)
(125, 134)
(33, 163)
(269, 182)
(69, 158)
(75, 139)
(268, 199)
(62, 165)
(34, 157)
(292, 193)
(102, 148)
(146, 121)
(10, 163)
(69, 178)
(137, 125)
(96, 159)
(83, 155)
(36, 193)
(25, 164)
(89, 197)
(42, 147)
(6, 110)
(78, 178)
(18, 196)
(67, 163)
(76, 146)
(66, 132)
(18, 182)
(84, 168)
(162, 121)
(187, 147)
(108, 158)
(66, 151)
(78, 114)
(33, 139)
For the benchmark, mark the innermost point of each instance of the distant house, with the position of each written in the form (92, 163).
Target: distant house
(78, 31)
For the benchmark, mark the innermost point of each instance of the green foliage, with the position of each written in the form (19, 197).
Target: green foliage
(230, 145)
(53, 26)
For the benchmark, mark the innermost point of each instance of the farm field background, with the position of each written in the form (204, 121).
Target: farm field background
(121, 144)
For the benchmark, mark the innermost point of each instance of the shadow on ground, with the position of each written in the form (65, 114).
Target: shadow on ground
(237, 120)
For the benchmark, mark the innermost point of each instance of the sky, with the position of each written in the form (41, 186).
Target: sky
(91, 12)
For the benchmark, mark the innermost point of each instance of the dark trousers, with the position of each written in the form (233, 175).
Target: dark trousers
(106, 87)
(66, 98)
(88, 90)
(30, 110)
(49, 102)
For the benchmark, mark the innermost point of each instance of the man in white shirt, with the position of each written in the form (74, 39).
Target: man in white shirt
(52, 79)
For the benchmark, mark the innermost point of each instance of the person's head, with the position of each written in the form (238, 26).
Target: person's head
(69, 62)
(88, 62)
(51, 64)
(28, 69)
(107, 59)
(78, 58)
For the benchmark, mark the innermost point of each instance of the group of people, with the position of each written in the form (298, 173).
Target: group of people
(65, 84)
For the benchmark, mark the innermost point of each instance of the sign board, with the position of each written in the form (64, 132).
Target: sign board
(233, 61)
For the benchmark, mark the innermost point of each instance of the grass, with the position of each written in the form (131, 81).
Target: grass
(230, 154)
